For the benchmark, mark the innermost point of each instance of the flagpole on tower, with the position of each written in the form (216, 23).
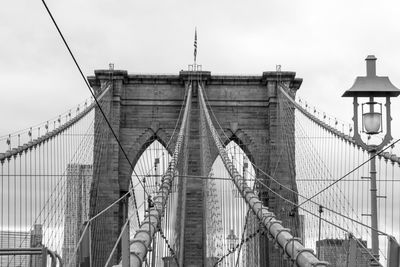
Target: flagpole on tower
(195, 46)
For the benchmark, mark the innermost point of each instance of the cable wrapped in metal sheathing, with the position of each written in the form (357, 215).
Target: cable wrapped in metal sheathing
(144, 236)
(290, 245)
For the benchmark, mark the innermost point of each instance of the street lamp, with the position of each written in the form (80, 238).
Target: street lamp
(231, 238)
(372, 87)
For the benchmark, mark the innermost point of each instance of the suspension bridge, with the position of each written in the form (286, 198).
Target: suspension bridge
(196, 169)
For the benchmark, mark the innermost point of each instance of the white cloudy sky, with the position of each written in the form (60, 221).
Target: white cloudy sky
(325, 42)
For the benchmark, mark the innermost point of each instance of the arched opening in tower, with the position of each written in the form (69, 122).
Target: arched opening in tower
(229, 221)
(146, 180)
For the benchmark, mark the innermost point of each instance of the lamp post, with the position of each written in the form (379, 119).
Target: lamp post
(372, 87)
(232, 239)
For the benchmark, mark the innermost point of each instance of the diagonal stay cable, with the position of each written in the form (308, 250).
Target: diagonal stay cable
(313, 214)
(275, 228)
(321, 192)
(288, 100)
(335, 181)
(327, 209)
(93, 94)
(291, 190)
(357, 220)
(244, 240)
(144, 236)
(347, 174)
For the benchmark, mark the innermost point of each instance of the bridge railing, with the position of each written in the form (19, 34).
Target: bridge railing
(38, 255)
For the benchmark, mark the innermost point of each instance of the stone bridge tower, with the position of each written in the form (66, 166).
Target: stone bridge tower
(142, 108)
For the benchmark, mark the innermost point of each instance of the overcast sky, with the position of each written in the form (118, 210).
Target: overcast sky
(325, 42)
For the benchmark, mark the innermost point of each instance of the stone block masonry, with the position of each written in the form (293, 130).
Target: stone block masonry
(143, 108)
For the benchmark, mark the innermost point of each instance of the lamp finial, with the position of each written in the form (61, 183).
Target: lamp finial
(371, 65)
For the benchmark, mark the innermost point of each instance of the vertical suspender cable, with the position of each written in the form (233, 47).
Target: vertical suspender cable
(304, 258)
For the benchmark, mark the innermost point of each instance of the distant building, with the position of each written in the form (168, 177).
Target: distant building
(344, 252)
(36, 240)
(12, 239)
(302, 229)
(79, 178)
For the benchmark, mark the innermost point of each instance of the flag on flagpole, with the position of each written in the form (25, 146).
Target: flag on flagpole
(195, 45)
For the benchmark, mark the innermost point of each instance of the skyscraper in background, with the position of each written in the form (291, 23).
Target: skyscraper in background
(79, 178)
(302, 229)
